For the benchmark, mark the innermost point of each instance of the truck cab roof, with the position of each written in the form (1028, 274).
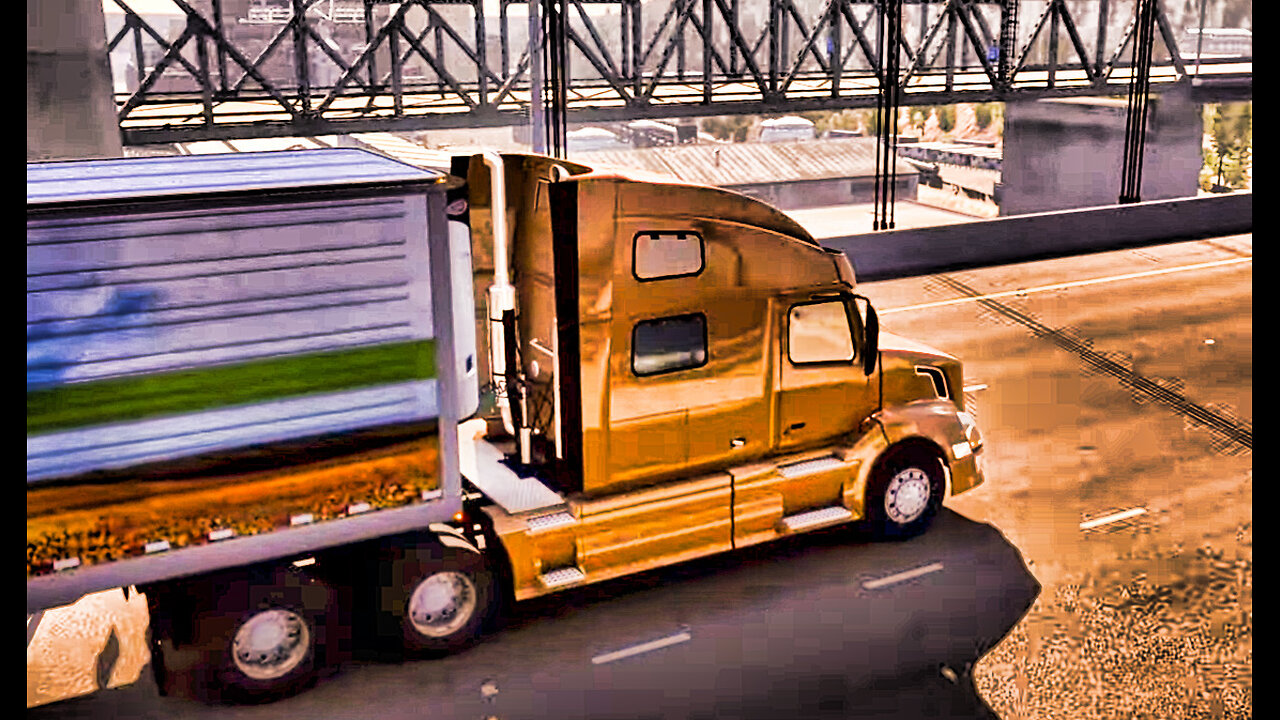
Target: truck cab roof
(722, 204)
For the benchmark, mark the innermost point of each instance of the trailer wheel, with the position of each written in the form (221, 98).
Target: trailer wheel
(280, 635)
(905, 492)
(438, 597)
(176, 663)
(243, 636)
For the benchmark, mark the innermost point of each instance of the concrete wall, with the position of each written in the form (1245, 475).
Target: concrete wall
(1068, 153)
(70, 111)
(924, 251)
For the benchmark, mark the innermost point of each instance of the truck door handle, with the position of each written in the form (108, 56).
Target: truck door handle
(795, 426)
(737, 442)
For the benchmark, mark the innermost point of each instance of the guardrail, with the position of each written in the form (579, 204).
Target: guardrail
(890, 254)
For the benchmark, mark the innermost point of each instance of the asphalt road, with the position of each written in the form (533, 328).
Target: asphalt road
(1117, 412)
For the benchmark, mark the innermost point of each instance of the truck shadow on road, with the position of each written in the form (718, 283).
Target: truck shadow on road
(827, 624)
(823, 625)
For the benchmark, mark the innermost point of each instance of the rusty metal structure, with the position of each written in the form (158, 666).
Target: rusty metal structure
(217, 69)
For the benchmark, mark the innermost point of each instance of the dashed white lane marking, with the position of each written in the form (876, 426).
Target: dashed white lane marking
(641, 648)
(1115, 517)
(902, 576)
(1063, 286)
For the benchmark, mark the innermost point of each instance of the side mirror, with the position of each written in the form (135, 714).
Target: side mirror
(872, 351)
(869, 347)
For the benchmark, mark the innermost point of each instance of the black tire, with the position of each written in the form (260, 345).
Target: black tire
(896, 505)
(202, 634)
(162, 652)
(436, 599)
(176, 662)
(289, 601)
(255, 635)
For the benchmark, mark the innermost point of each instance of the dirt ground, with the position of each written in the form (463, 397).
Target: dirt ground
(1151, 615)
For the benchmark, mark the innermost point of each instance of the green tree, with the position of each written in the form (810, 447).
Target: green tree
(871, 121)
(946, 117)
(982, 112)
(1228, 154)
(822, 120)
(729, 127)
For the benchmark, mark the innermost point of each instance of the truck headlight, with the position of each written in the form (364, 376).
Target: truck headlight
(971, 431)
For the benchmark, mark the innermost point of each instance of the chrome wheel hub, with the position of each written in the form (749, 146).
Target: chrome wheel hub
(270, 644)
(442, 603)
(907, 495)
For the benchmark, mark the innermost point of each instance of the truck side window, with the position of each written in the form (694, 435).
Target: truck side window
(656, 256)
(819, 333)
(669, 344)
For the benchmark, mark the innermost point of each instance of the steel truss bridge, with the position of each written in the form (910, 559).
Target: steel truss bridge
(223, 69)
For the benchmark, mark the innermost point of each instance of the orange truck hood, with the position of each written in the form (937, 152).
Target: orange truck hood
(897, 343)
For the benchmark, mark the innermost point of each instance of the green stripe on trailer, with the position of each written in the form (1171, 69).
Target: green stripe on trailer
(179, 392)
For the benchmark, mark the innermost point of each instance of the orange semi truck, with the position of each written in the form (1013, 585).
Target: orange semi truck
(299, 396)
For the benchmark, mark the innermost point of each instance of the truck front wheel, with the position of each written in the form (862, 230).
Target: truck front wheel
(905, 492)
(439, 597)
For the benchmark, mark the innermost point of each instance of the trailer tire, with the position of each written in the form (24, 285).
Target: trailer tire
(279, 637)
(437, 598)
(176, 661)
(905, 492)
(242, 636)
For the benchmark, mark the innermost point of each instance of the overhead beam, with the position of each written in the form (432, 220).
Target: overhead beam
(423, 64)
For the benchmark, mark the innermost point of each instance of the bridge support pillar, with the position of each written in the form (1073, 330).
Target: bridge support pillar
(1067, 153)
(70, 110)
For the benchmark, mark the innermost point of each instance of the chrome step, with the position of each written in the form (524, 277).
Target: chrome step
(814, 518)
(810, 466)
(562, 576)
(546, 522)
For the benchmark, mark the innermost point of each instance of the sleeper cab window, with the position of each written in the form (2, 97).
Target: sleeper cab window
(819, 333)
(662, 255)
(669, 344)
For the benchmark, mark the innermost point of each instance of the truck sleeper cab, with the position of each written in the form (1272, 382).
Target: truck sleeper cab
(714, 382)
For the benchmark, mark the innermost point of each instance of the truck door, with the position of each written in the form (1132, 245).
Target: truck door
(823, 393)
(728, 420)
(649, 382)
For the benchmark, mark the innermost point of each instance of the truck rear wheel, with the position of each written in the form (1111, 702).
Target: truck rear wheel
(255, 636)
(905, 492)
(439, 598)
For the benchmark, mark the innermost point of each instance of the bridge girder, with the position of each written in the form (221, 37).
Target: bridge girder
(226, 69)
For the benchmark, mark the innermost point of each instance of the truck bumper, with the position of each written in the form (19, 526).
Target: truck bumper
(967, 471)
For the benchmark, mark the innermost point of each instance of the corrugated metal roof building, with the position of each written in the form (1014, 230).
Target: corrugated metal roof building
(787, 175)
